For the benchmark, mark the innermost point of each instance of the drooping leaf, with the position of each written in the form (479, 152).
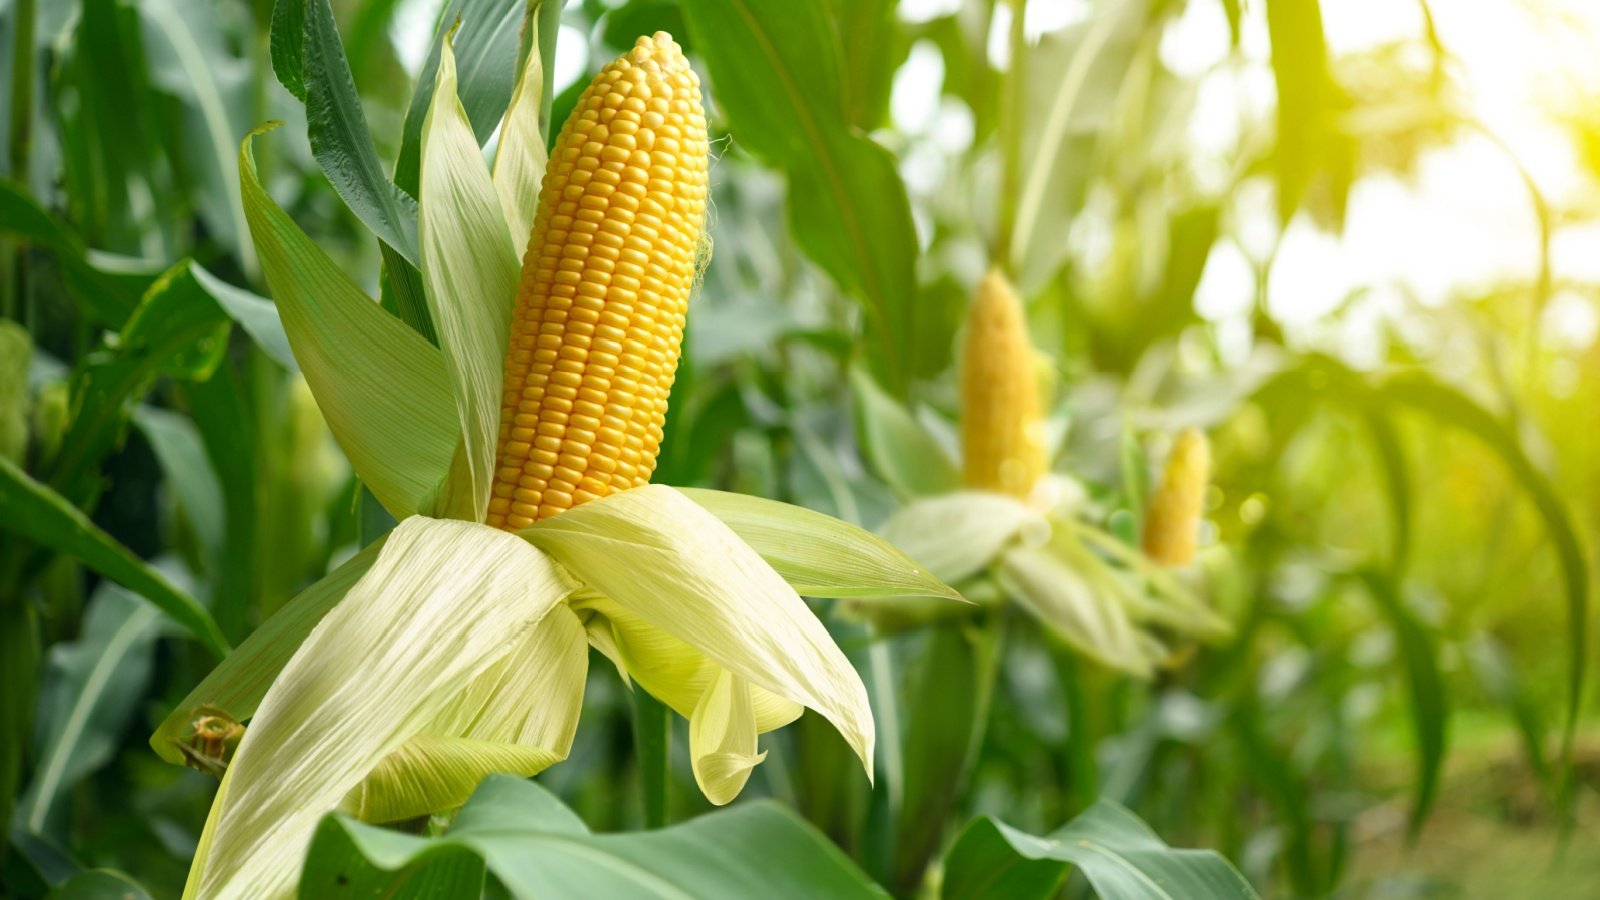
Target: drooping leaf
(257, 315)
(818, 555)
(690, 576)
(1084, 612)
(1455, 408)
(517, 718)
(536, 847)
(442, 604)
(384, 390)
(107, 297)
(1430, 707)
(469, 270)
(32, 511)
(1118, 854)
(722, 738)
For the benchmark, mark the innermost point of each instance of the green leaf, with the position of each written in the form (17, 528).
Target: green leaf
(384, 389)
(107, 297)
(341, 142)
(99, 884)
(818, 555)
(398, 659)
(536, 847)
(16, 352)
(287, 45)
(1072, 82)
(1118, 854)
(1455, 408)
(777, 73)
(488, 39)
(190, 58)
(946, 712)
(32, 511)
(93, 687)
(257, 315)
(1430, 706)
(182, 455)
(235, 687)
(176, 331)
(1300, 69)
(901, 451)
(470, 271)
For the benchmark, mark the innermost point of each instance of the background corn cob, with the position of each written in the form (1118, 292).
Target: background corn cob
(598, 321)
(1002, 428)
(1172, 521)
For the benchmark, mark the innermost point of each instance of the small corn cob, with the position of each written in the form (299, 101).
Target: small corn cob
(1172, 521)
(598, 322)
(1002, 430)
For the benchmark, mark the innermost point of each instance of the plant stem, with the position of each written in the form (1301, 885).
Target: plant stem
(1011, 86)
(13, 271)
(652, 738)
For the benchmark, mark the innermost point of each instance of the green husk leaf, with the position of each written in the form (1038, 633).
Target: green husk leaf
(383, 389)
(470, 271)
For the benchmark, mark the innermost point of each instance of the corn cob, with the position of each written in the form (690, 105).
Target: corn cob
(1172, 521)
(598, 321)
(1002, 430)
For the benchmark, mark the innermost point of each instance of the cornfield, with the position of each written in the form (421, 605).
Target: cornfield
(799, 448)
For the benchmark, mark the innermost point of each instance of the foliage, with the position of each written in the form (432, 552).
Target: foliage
(209, 215)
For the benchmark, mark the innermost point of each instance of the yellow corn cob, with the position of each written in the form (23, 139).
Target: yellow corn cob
(598, 322)
(1172, 521)
(1002, 430)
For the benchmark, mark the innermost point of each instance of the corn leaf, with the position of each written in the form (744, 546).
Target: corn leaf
(902, 452)
(1119, 855)
(538, 848)
(661, 557)
(254, 313)
(520, 160)
(16, 352)
(470, 272)
(488, 39)
(341, 141)
(34, 512)
(384, 390)
(442, 604)
(1081, 611)
(958, 535)
(236, 686)
(818, 555)
(776, 68)
(517, 718)
(89, 694)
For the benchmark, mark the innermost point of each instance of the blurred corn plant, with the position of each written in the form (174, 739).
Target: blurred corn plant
(1381, 635)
